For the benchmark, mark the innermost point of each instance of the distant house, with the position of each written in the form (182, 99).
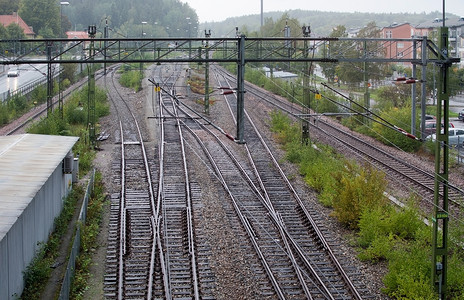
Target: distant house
(287, 76)
(77, 35)
(455, 37)
(399, 49)
(6, 20)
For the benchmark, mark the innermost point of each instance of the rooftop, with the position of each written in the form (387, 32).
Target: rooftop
(6, 20)
(26, 163)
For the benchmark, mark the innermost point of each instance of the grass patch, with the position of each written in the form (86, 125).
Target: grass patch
(89, 235)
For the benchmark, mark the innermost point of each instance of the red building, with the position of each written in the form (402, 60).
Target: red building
(399, 49)
(6, 20)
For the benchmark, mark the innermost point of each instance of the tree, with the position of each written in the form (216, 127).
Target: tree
(329, 69)
(7, 7)
(15, 32)
(390, 97)
(3, 33)
(42, 15)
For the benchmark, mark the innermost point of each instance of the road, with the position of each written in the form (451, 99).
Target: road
(27, 74)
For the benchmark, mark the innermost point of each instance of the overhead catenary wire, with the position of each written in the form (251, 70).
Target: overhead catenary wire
(383, 121)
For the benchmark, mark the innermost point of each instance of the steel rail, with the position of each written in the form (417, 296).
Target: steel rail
(289, 108)
(123, 191)
(298, 199)
(188, 200)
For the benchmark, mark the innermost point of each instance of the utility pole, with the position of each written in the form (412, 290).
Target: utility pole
(49, 80)
(367, 96)
(413, 90)
(241, 90)
(91, 93)
(207, 35)
(440, 215)
(105, 35)
(306, 94)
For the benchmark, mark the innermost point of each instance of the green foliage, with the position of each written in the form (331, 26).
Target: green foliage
(409, 269)
(285, 132)
(317, 164)
(42, 15)
(132, 79)
(456, 274)
(357, 189)
(393, 96)
(162, 17)
(401, 117)
(7, 7)
(15, 32)
(36, 275)
(382, 227)
(385, 233)
(53, 124)
(318, 167)
(69, 71)
(39, 95)
(89, 236)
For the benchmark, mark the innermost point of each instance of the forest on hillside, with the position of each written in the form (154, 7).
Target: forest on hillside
(125, 18)
(322, 23)
(173, 18)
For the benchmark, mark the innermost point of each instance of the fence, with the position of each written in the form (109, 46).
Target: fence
(68, 277)
(23, 90)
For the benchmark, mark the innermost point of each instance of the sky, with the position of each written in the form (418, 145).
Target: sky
(219, 10)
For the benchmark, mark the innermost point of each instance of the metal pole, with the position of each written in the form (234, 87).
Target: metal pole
(105, 45)
(413, 91)
(207, 35)
(440, 215)
(366, 85)
(49, 80)
(423, 86)
(91, 93)
(306, 93)
(241, 90)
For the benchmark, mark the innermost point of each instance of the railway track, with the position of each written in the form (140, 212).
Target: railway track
(411, 177)
(187, 274)
(130, 243)
(291, 257)
(294, 219)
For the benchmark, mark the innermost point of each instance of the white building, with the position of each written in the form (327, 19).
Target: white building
(35, 177)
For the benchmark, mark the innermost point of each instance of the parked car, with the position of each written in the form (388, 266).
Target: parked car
(430, 118)
(431, 127)
(461, 115)
(455, 137)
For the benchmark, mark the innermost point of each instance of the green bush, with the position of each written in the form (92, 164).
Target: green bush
(53, 124)
(401, 118)
(409, 269)
(357, 189)
(132, 79)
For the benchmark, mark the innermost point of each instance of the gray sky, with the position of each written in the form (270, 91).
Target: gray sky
(219, 10)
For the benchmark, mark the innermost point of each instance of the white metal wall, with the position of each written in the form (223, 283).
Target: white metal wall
(20, 244)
